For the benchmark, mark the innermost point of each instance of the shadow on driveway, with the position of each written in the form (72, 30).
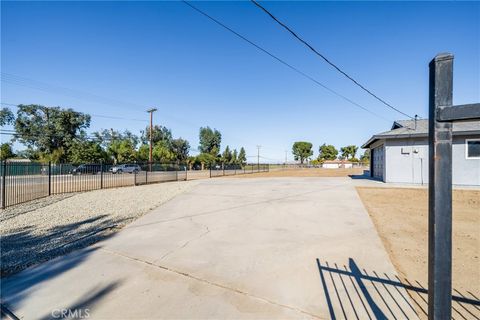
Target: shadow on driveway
(351, 291)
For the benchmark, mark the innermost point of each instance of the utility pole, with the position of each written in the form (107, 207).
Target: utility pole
(150, 158)
(258, 156)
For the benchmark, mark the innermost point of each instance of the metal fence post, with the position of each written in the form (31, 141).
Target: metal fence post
(101, 174)
(176, 171)
(210, 171)
(440, 190)
(4, 185)
(49, 178)
(146, 174)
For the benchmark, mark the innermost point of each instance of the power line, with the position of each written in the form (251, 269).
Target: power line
(90, 114)
(283, 62)
(77, 94)
(327, 60)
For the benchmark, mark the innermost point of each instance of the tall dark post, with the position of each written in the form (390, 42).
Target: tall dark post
(440, 190)
(4, 185)
(150, 157)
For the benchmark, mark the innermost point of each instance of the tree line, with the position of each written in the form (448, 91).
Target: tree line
(54, 134)
(303, 150)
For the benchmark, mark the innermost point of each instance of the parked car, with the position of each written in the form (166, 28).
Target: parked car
(87, 169)
(126, 168)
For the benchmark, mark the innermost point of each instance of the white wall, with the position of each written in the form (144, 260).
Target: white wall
(465, 171)
(406, 160)
(330, 165)
(404, 165)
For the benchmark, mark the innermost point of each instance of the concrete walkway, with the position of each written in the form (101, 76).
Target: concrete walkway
(263, 248)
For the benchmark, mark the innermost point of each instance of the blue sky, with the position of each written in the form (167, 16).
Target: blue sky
(166, 55)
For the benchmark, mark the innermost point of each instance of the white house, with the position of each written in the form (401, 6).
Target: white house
(401, 154)
(335, 164)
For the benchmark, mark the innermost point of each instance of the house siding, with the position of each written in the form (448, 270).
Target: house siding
(406, 161)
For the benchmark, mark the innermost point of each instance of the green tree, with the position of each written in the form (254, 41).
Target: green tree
(162, 152)
(120, 146)
(143, 153)
(106, 136)
(48, 129)
(226, 155)
(302, 150)
(6, 117)
(210, 141)
(121, 151)
(365, 158)
(180, 149)
(207, 160)
(191, 161)
(85, 151)
(234, 157)
(242, 157)
(349, 152)
(327, 152)
(159, 133)
(6, 151)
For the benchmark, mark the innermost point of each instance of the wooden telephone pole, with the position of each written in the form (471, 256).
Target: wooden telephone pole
(150, 158)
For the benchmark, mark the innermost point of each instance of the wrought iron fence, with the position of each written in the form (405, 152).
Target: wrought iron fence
(26, 181)
(220, 170)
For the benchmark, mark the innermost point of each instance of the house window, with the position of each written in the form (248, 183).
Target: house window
(472, 148)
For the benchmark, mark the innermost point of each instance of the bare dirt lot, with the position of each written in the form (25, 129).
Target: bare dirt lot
(400, 216)
(305, 172)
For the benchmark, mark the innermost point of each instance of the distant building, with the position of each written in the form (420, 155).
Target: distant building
(23, 160)
(335, 164)
(401, 154)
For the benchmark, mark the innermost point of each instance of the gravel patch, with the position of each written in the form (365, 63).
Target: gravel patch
(12, 212)
(50, 227)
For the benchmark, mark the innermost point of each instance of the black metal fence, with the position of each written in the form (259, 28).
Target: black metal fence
(26, 181)
(220, 170)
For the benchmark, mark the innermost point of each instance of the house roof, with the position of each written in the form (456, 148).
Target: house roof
(408, 129)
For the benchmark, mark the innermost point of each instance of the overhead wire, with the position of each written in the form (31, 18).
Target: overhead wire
(328, 61)
(283, 61)
(92, 114)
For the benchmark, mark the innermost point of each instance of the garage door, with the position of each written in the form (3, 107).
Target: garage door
(378, 156)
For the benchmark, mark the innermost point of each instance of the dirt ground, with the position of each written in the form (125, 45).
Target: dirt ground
(400, 216)
(306, 172)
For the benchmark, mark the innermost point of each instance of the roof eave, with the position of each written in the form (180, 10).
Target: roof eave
(413, 135)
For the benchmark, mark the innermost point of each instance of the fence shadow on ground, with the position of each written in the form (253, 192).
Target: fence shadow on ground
(354, 293)
(26, 246)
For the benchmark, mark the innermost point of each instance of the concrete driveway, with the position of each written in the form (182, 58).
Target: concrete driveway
(260, 248)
